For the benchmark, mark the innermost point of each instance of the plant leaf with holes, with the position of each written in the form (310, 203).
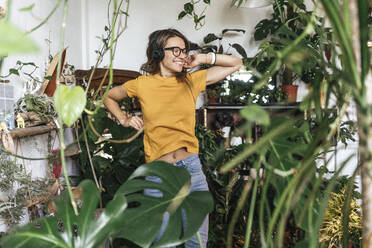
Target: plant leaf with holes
(211, 37)
(240, 50)
(68, 230)
(147, 211)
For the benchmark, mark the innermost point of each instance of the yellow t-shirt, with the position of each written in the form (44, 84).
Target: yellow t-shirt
(168, 110)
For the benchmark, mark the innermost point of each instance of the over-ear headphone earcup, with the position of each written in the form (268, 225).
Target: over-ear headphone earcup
(157, 54)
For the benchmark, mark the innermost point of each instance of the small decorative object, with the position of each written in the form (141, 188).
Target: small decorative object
(235, 141)
(9, 118)
(68, 75)
(3, 5)
(20, 121)
(2, 12)
(8, 142)
(3, 127)
(226, 134)
(223, 122)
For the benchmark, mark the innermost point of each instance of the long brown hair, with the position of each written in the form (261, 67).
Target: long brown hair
(157, 40)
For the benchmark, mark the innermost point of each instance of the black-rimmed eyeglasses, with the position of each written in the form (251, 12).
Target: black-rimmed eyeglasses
(177, 50)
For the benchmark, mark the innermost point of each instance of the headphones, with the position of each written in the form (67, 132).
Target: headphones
(157, 53)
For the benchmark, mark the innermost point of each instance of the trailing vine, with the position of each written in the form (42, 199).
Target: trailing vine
(189, 10)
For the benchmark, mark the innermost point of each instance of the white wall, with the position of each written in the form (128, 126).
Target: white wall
(51, 31)
(146, 16)
(87, 18)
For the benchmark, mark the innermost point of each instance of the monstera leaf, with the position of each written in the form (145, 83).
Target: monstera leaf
(68, 230)
(140, 222)
(148, 211)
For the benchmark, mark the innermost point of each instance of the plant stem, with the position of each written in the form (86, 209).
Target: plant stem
(242, 199)
(199, 239)
(62, 35)
(9, 9)
(255, 147)
(46, 19)
(89, 156)
(62, 145)
(251, 210)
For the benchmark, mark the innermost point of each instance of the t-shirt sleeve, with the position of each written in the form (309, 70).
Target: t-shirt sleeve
(131, 87)
(199, 80)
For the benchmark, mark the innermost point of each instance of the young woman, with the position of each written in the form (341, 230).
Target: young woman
(168, 99)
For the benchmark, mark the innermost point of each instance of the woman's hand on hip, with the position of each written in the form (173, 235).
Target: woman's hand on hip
(133, 121)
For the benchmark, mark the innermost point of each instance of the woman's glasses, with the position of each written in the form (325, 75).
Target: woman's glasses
(177, 50)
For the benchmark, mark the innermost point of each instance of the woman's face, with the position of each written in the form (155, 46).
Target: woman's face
(171, 63)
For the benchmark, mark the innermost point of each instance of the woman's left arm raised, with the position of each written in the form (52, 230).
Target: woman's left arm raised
(224, 65)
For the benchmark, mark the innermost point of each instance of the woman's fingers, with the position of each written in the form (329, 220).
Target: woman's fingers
(136, 122)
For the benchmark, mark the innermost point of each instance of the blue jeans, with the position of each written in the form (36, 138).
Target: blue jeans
(198, 183)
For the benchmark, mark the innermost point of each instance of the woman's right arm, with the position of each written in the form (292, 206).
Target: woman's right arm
(115, 95)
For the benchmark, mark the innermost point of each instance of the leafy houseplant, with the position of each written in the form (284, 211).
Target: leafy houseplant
(242, 92)
(121, 216)
(209, 44)
(214, 92)
(331, 231)
(208, 47)
(288, 21)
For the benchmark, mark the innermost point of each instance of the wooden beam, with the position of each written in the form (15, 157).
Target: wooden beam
(30, 131)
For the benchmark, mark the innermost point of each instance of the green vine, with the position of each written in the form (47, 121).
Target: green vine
(189, 10)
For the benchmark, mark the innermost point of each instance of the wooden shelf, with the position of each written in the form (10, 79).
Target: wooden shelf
(30, 131)
(268, 106)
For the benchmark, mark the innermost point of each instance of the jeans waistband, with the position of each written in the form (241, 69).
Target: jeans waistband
(186, 160)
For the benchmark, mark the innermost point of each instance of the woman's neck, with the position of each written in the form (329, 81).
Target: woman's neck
(167, 74)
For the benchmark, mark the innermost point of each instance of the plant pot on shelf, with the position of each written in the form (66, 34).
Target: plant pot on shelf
(213, 96)
(213, 100)
(226, 134)
(291, 91)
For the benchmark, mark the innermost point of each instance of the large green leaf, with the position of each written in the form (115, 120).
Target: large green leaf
(147, 211)
(255, 113)
(69, 102)
(12, 40)
(68, 230)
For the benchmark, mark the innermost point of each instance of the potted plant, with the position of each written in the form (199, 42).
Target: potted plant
(289, 20)
(214, 92)
(213, 43)
(239, 91)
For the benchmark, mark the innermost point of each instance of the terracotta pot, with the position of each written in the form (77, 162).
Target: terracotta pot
(291, 92)
(213, 100)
